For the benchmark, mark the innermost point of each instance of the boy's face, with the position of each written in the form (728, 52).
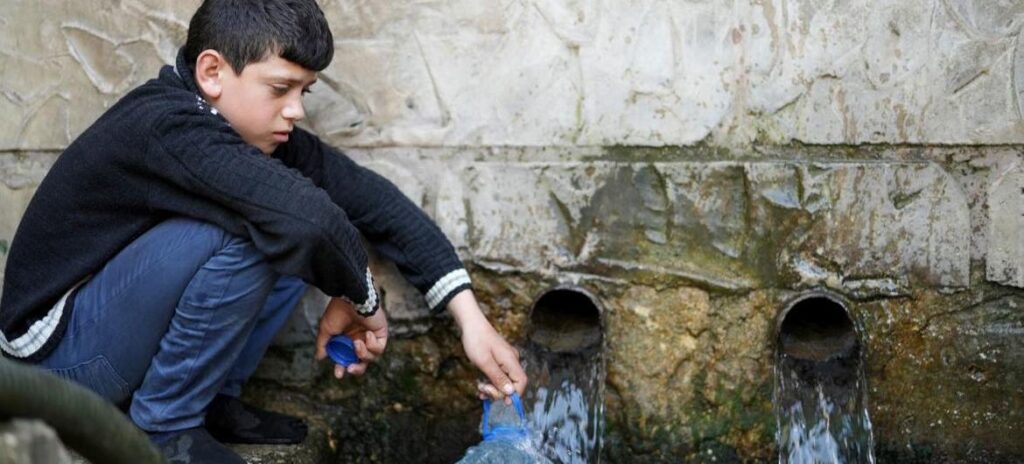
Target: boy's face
(264, 101)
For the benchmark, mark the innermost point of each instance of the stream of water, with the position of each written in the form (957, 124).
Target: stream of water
(564, 406)
(564, 414)
(821, 411)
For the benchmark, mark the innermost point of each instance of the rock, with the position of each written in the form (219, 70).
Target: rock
(26, 441)
(1004, 262)
(881, 227)
(656, 343)
(320, 443)
(944, 373)
(888, 221)
(312, 451)
(14, 202)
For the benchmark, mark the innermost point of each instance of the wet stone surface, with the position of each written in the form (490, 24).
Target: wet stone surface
(689, 374)
(321, 442)
(946, 383)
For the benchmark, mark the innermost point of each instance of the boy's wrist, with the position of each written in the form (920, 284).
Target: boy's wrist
(464, 308)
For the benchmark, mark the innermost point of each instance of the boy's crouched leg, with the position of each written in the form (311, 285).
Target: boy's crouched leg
(231, 420)
(167, 318)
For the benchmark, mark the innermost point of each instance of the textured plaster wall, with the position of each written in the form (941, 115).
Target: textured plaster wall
(692, 162)
(566, 73)
(570, 74)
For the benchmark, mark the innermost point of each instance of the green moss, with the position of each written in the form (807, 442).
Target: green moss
(725, 426)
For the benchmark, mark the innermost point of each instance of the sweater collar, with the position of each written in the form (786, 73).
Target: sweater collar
(187, 78)
(184, 72)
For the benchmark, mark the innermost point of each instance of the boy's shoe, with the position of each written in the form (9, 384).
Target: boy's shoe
(194, 446)
(230, 420)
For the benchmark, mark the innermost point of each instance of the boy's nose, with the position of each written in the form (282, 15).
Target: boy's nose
(294, 111)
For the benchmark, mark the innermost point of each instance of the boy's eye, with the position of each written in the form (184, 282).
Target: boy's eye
(280, 89)
(305, 90)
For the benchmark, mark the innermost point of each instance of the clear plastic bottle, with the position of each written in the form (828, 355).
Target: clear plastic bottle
(506, 439)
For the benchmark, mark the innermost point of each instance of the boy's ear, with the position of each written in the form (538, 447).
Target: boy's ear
(210, 69)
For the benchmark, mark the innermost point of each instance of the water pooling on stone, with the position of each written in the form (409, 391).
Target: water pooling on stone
(820, 391)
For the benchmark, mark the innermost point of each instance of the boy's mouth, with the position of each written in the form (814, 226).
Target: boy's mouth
(281, 137)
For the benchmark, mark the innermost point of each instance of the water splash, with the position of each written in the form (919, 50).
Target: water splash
(565, 411)
(821, 411)
(506, 440)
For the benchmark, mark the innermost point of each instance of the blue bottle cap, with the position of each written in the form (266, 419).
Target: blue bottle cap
(341, 349)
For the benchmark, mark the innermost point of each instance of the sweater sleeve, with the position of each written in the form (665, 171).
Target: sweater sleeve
(396, 227)
(296, 224)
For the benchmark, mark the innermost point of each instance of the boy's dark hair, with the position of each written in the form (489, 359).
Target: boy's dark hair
(248, 31)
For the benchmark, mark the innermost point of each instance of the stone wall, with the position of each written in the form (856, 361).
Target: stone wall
(694, 164)
(584, 72)
(25, 441)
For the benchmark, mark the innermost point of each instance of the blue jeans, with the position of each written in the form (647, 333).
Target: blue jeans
(183, 313)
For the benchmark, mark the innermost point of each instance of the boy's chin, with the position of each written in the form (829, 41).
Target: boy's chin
(268, 148)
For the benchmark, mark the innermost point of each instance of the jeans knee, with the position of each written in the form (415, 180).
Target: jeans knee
(290, 285)
(200, 236)
(209, 238)
(224, 260)
(242, 255)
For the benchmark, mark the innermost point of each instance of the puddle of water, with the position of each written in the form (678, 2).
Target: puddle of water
(821, 411)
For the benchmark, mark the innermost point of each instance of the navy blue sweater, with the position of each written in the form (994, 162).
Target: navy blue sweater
(162, 152)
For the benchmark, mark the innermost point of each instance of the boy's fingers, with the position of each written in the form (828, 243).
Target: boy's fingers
(339, 372)
(362, 352)
(356, 369)
(488, 390)
(375, 344)
(321, 344)
(509, 362)
(497, 376)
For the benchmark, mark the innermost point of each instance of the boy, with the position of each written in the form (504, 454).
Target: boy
(170, 241)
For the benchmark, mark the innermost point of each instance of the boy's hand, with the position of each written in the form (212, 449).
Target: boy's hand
(368, 334)
(488, 350)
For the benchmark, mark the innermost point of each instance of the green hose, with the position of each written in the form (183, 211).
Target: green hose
(85, 422)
